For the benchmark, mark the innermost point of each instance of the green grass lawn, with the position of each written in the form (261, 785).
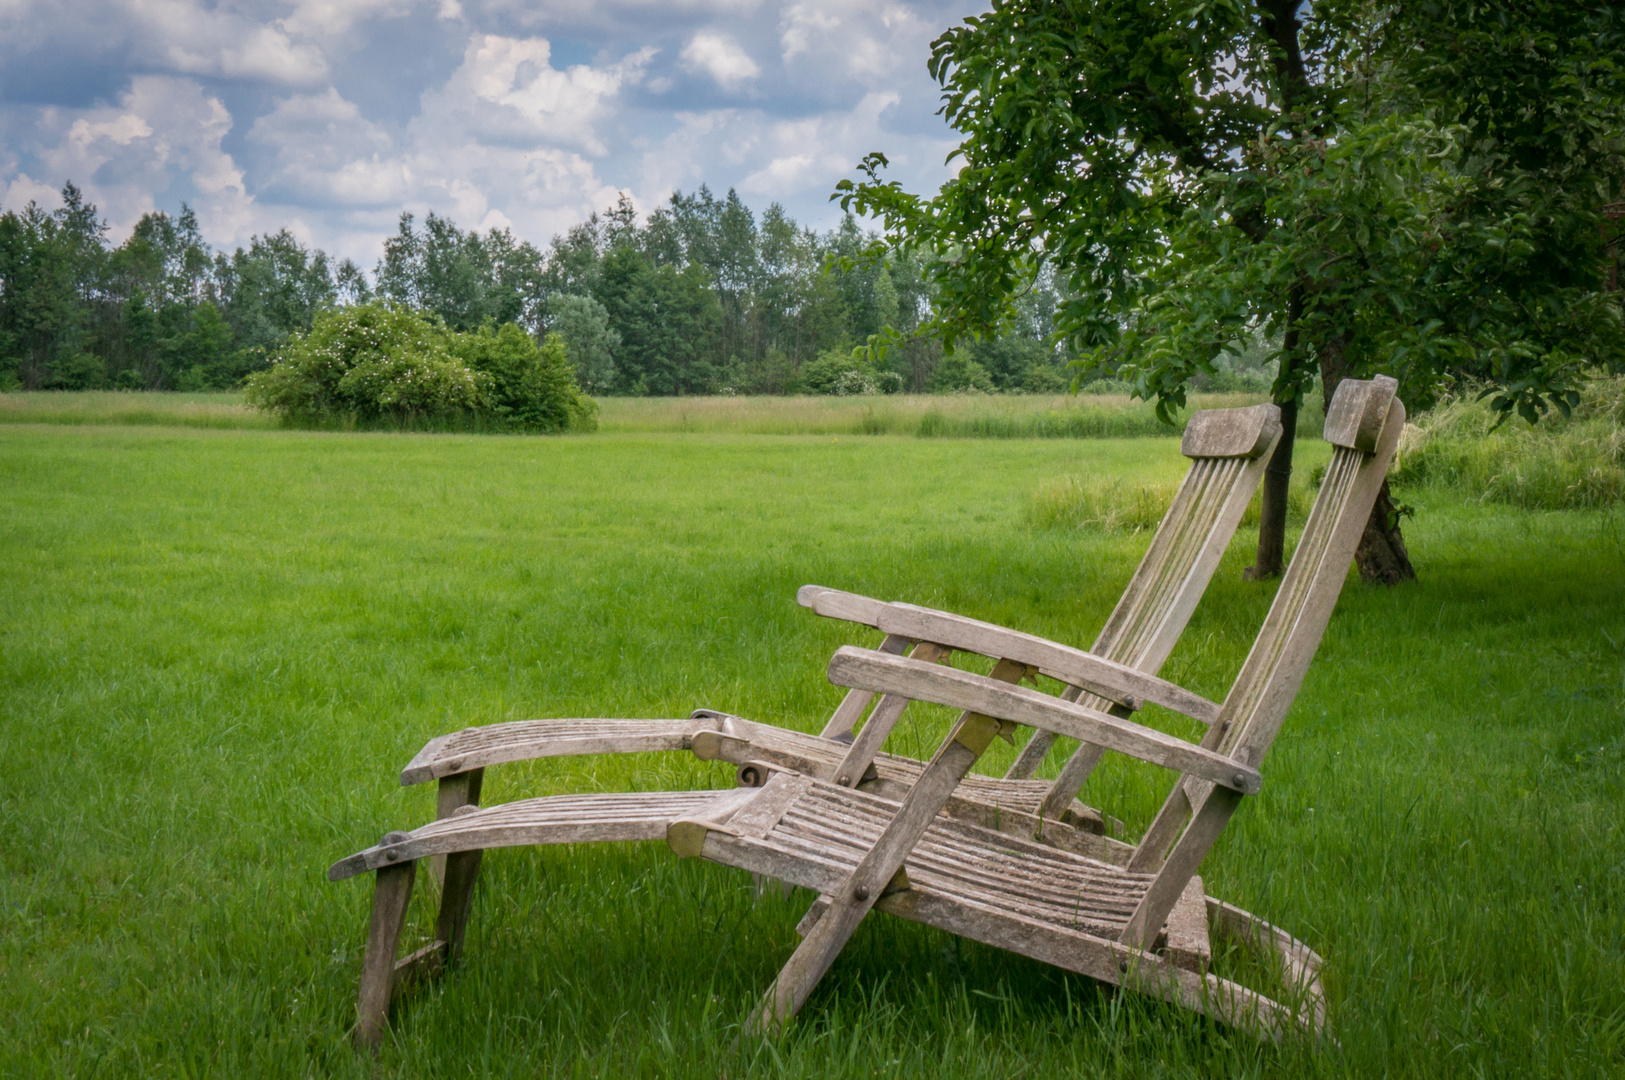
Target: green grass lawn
(218, 647)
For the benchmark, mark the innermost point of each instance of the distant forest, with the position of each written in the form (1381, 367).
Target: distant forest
(702, 297)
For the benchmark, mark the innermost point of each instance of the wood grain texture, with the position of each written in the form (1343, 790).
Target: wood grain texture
(1104, 678)
(850, 711)
(392, 893)
(835, 604)
(855, 765)
(977, 693)
(1218, 433)
(1355, 417)
(1268, 683)
(526, 740)
(455, 792)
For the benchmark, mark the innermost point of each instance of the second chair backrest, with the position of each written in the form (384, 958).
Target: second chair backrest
(1229, 450)
(1363, 426)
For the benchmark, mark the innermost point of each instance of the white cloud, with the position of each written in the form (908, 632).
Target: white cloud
(190, 39)
(507, 91)
(460, 106)
(164, 134)
(720, 57)
(318, 19)
(801, 24)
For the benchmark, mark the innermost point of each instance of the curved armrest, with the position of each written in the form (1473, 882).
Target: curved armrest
(1101, 677)
(870, 670)
(835, 604)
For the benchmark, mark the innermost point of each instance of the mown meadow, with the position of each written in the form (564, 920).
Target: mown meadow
(220, 642)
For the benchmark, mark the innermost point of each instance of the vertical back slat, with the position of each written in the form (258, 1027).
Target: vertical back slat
(1264, 690)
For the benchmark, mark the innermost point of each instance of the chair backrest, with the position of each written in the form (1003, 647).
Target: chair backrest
(1363, 425)
(1229, 450)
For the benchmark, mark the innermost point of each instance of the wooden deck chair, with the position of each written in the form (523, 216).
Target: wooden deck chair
(1228, 448)
(1144, 925)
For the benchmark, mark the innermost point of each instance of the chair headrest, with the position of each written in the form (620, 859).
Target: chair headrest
(1244, 433)
(1358, 411)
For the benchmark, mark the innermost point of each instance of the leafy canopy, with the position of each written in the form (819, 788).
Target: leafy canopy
(1418, 186)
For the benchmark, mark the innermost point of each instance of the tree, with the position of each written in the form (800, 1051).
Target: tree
(51, 269)
(1413, 187)
(583, 325)
(466, 279)
(268, 293)
(668, 320)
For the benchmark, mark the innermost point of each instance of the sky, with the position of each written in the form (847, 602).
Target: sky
(331, 117)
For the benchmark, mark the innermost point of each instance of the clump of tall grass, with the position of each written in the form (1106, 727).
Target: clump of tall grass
(1561, 463)
(1082, 502)
(1085, 502)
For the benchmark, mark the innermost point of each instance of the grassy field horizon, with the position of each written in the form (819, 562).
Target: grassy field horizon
(970, 415)
(219, 646)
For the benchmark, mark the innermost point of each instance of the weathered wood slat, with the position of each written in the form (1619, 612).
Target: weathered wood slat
(850, 711)
(977, 693)
(862, 753)
(392, 892)
(1104, 678)
(835, 604)
(1268, 683)
(559, 819)
(1188, 944)
(1219, 433)
(525, 740)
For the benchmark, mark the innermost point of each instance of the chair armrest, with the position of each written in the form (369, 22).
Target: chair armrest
(835, 604)
(869, 670)
(1099, 676)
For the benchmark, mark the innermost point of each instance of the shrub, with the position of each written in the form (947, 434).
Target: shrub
(531, 387)
(375, 363)
(369, 362)
(840, 374)
(1561, 463)
(958, 373)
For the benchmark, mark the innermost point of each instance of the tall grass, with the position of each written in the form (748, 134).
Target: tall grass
(141, 408)
(974, 416)
(1558, 464)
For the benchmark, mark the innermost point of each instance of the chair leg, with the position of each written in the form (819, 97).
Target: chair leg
(457, 896)
(812, 958)
(456, 791)
(391, 895)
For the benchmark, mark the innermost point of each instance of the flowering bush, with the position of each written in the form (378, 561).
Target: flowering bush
(375, 363)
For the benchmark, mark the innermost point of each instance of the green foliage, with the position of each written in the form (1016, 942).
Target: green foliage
(1564, 463)
(466, 279)
(370, 363)
(48, 261)
(271, 290)
(837, 372)
(1414, 188)
(669, 321)
(530, 387)
(373, 363)
(589, 341)
(958, 372)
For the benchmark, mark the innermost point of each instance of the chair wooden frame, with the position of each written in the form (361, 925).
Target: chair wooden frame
(1116, 923)
(1229, 450)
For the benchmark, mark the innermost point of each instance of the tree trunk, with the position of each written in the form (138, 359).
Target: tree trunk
(1272, 509)
(1381, 556)
(1278, 473)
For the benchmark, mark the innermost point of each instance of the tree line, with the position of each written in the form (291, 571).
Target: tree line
(702, 296)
